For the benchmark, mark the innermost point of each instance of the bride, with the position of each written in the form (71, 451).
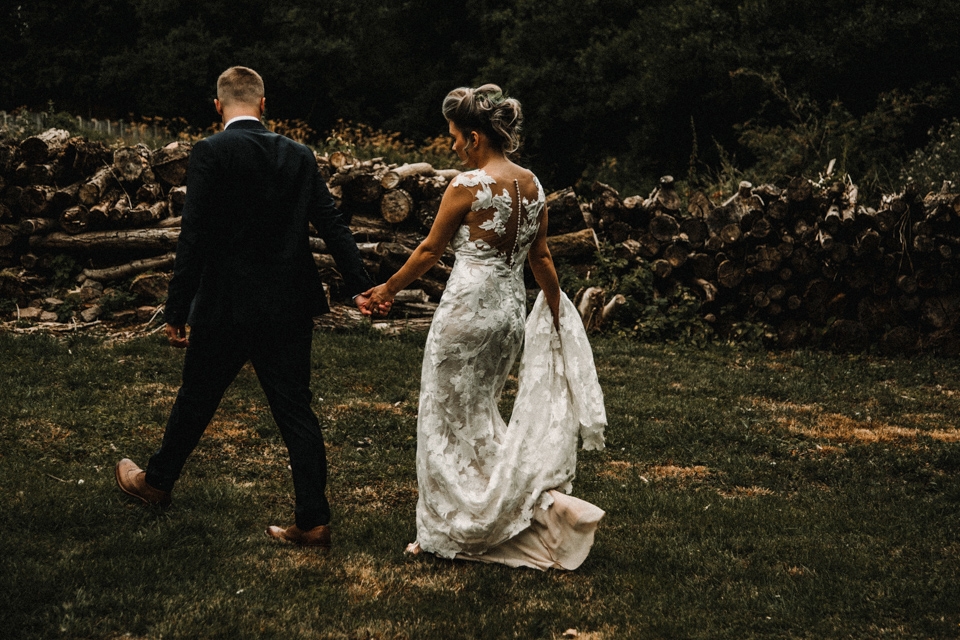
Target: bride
(491, 490)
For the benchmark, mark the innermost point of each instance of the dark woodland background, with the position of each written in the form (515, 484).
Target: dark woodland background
(618, 90)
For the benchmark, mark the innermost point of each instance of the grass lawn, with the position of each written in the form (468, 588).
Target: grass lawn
(748, 495)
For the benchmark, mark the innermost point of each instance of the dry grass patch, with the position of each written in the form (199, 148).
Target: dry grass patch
(616, 470)
(622, 471)
(745, 492)
(230, 431)
(382, 496)
(158, 393)
(698, 472)
(279, 559)
(366, 579)
(812, 421)
(340, 410)
(841, 428)
(927, 420)
(43, 433)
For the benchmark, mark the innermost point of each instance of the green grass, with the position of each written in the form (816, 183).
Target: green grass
(749, 495)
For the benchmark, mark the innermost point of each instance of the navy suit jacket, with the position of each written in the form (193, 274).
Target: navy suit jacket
(243, 254)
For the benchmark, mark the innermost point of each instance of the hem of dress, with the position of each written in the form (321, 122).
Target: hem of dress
(559, 537)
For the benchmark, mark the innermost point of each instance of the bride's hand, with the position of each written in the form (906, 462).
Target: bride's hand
(379, 299)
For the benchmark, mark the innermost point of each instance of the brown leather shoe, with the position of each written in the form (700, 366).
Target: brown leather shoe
(132, 480)
(317, 537)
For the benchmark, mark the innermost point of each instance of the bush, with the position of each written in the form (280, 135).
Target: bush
(940, 159)
(651, 313)
(809, 137)
(365, 142)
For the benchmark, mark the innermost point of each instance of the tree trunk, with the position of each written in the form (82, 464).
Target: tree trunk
(396, 206)
(579, 244)
(661, 268)
(564, 212)
(695, 230)
(31, 174)
(427, 213)
(101, 210)
(676, 255)
(131, 165)
(363, 189)
(170, 163)
(703, 266)
(146, 215)
(768, 259)
(799, 190)
(132, 239)
(177, 198)
(391, 179)
(664, 227)
(36, 200)
(85, 157)
(91, 191)
(64, 198)
(160, 263)
(33, 226)
(731, 233)
(75, 219)
(8, 234)
(649, 246)
(730, 274)
(43, 146)
(606, 206)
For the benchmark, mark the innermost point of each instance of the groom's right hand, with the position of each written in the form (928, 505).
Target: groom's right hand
(177, 335)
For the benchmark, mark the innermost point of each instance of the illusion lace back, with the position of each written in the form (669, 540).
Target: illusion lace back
(480, 478)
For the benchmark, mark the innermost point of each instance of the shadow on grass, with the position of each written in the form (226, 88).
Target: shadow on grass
(748, 495)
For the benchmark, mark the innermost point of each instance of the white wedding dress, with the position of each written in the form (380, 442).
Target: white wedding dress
(490, 490)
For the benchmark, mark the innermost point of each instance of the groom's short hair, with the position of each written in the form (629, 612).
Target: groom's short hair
(239, 85)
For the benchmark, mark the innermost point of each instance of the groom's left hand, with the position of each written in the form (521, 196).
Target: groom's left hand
(177, 335)
(366, 308)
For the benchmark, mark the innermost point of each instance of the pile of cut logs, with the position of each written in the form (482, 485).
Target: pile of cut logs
(115, 212)
(808, 259)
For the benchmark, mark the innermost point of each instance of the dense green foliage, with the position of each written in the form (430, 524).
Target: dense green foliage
(623, 90)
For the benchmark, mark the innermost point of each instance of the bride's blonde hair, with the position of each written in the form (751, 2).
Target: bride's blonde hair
(486, 109)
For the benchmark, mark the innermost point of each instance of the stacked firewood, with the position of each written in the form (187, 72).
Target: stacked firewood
(809, 260)
(115, 213)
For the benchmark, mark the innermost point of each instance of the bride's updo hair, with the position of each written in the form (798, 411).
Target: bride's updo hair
(486, 109)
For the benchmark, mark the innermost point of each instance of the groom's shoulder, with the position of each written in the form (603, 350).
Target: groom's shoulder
(236, 137)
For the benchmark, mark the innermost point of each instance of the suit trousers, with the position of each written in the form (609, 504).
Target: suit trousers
(280, 355)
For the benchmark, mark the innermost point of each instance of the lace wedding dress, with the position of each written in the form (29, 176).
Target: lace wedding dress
(491, 490)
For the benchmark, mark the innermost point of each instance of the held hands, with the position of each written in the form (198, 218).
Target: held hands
(377, 301)
(370, 307)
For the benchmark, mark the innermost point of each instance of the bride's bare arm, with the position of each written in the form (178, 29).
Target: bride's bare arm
(541, 264)
(453, 207)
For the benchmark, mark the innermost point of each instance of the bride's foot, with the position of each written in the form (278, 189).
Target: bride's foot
(413, 549)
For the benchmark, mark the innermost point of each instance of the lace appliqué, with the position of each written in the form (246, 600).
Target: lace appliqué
(501, 207)
(480, 477)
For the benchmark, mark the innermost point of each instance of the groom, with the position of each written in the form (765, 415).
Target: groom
(245, 282)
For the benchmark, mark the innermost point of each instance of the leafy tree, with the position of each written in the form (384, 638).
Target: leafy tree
(622, 90)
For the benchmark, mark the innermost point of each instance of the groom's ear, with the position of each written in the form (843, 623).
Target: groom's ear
(218, 106)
